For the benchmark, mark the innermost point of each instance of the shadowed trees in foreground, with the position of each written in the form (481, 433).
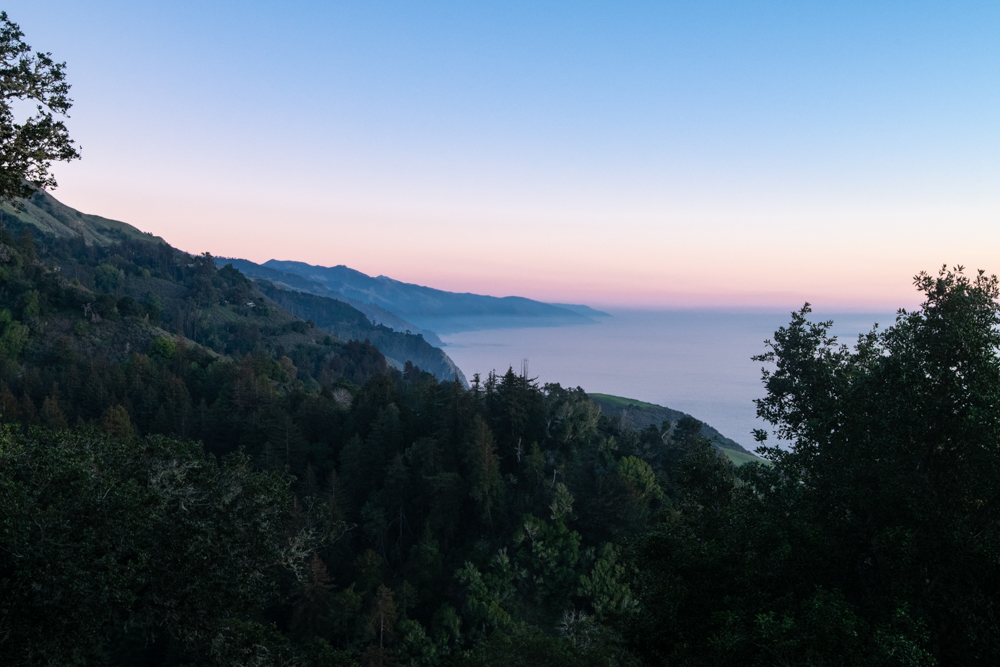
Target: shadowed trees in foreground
(872, 537)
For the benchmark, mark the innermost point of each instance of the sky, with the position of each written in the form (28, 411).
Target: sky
(619, 154)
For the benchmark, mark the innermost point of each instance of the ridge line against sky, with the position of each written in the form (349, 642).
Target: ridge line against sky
(620, 155)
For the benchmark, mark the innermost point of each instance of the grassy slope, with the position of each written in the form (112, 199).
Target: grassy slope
(739, 458)
(639, 415)
(47, 214)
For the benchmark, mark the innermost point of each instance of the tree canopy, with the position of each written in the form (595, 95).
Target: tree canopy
(872, 537)
(109, 541)
(29, 146)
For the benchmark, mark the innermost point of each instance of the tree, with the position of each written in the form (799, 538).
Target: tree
(484, 468)
(28, 148)
(872, 537)
(107, 543)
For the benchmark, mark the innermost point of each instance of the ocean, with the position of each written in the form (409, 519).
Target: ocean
(695, 361)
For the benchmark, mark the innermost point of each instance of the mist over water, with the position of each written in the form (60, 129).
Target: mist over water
(695, 361)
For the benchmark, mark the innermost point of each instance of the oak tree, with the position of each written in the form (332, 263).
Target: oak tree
(29, 145)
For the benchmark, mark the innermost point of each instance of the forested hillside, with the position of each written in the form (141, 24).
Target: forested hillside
(446, 523)
(61, 232)
(463, 524)
(158, 332)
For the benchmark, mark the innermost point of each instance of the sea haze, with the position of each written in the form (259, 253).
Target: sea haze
(695, 361)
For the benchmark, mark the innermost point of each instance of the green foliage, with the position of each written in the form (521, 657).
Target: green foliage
(549, 555)
(13, 335)
(487, 595)
(871, 539)
(103, 539)
(606, 587)
(108, 278)
(484, 467)
(28, 147)
(162, 348)
(562, 504)
(641, 481)
(106, 306)
(129, 307)
(29, 304)
(525, 646)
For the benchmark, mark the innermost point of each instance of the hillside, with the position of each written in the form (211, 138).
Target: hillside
(376, 314)
(67, 303)
(434, 309)
(348, 323)
(98, 257)
(639, 415)
(45, 213)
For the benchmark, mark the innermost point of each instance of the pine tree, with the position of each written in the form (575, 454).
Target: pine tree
(52, 415)
(484, 468)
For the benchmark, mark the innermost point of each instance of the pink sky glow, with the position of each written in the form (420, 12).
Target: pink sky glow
(599, 263)
(660, 155)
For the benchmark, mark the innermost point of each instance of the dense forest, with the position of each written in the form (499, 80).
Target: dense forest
(189, 474)
(411, 520)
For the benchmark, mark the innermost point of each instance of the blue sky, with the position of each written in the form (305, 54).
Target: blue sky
(654, 154)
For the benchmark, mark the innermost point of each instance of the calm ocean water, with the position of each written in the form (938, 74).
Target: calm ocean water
(698, 362)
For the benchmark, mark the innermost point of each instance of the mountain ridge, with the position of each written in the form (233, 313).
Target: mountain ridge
(431, 308)
(376, 314)
(334, 316)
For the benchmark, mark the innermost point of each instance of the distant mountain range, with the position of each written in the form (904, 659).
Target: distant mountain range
(296, 283)
(434, 309)
(351, 324)
(415, 308)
